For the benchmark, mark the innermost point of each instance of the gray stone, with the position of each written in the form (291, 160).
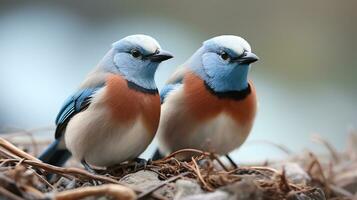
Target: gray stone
(145, 180)
(186, 188)
(217, 195)
(142, 180)
(245, 189)
(294, 172)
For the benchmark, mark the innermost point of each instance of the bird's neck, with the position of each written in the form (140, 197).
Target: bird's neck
(197, 85)
(232, 94)
(235, 81)
(137, 81)
(136, 87)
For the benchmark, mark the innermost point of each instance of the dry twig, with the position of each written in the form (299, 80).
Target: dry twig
(119, 192)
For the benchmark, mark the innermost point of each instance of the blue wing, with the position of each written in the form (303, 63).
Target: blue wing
(173, 83)
(167, 89)
(73, 105)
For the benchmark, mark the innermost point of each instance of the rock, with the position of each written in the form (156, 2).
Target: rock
(245, 189)
(294, 173)
(167, 191)
(242, 190)
(145, 180)
(142, 180)
(217, 195)
(186, 188)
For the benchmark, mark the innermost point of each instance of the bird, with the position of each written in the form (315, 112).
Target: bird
(114, 114)
(209, 103)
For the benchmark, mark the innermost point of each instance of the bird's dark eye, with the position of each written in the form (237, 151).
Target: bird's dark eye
(135, 53)
(225, 56)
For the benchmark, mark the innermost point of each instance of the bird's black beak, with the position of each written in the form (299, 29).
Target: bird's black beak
(248, 58)
(161, 56)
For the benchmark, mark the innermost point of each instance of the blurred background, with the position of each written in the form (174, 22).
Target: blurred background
(306, 78)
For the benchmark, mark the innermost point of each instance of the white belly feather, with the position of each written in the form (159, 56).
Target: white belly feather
(92, 135)
(178, 130)
(220, 135)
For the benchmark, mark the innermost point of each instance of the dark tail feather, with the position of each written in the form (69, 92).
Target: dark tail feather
(54, 156)
(157, 155)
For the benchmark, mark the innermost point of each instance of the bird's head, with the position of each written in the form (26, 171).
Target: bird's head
(223, 63)
(136, 58)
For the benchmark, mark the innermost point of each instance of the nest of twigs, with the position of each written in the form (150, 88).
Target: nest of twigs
(25, 177)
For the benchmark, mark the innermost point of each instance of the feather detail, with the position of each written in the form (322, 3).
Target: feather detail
(204, 105)
(127, 104)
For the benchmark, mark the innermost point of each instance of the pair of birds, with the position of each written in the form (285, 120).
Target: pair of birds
(208, 104)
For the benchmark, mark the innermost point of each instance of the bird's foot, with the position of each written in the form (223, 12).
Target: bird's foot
(91, 170)
(141, 163)
(231, 161)
(234, 165)
(88, 167)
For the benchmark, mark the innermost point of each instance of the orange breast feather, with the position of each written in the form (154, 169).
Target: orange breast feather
(128, 104)
(204, 105)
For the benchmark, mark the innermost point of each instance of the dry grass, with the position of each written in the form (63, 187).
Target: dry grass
(24, 177)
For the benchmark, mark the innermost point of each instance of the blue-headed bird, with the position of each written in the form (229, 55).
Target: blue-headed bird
(209, 104)
(114, 114)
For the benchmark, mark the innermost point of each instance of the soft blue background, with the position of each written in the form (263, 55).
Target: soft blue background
(306, 78)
